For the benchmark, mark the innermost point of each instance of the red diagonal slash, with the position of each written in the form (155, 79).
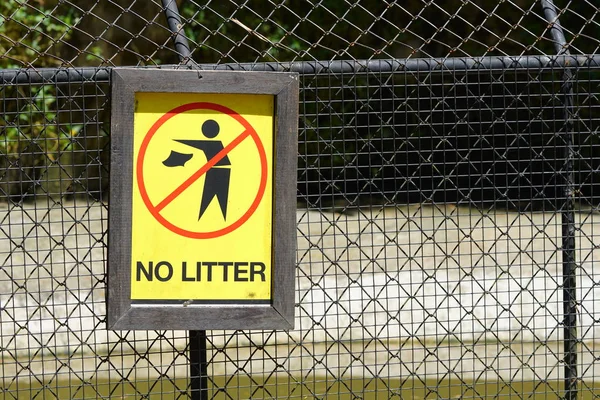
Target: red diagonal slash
(248, 131)
(211, 163)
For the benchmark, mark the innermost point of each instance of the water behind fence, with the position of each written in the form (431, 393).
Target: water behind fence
(477, 300)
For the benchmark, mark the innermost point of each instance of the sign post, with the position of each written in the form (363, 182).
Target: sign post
(198, 365)
(203, 198)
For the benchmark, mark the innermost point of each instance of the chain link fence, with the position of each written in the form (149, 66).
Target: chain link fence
(448, 197)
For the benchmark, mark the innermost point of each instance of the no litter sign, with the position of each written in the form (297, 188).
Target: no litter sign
(201, 173)
(202, 207)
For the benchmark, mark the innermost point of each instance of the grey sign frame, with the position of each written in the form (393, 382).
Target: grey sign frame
(122, 313)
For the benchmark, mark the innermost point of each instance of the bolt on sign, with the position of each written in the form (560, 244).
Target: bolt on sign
(202, 199)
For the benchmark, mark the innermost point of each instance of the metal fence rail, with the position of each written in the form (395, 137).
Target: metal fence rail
(448, 198)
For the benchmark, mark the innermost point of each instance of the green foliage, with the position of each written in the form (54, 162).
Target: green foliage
(30, 133)
(33, 128)
(32, 35)
(258, 31)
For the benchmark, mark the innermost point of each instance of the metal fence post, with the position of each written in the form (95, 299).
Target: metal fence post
(196, 339)
(567, 212)
(198, 365)
(176, 27)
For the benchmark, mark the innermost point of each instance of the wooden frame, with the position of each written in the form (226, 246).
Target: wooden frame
(122, 313)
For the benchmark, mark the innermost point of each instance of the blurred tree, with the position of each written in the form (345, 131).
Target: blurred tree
(340, 110)
(30, 138)
(255, 31)
(129, 32)
(34, 35)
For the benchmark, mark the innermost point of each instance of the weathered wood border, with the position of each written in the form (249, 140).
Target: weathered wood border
(279, 314)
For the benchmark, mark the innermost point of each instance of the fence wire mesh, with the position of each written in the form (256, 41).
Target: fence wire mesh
(57, 33)
(448, 199)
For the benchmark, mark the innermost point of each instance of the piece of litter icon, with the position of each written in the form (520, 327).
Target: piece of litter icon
(176, 159)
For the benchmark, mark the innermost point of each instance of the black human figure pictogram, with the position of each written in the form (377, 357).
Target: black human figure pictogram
(216, 183)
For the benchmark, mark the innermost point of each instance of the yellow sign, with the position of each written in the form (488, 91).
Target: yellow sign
(202, 197)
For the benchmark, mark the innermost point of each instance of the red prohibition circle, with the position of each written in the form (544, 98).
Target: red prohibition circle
(249, 131)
